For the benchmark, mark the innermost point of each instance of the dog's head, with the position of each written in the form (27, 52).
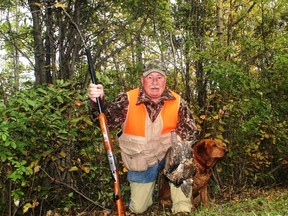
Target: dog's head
(208, 152)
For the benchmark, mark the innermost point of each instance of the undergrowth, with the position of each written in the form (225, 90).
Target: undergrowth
(252, 202)
(265, 203)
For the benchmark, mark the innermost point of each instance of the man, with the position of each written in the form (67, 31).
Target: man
(147, 115)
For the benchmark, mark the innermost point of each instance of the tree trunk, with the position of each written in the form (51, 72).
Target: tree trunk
(39, 52)
(201, 85)
(49, 45)
(220, 25)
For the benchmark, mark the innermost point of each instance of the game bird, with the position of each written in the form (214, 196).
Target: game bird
(178, 166)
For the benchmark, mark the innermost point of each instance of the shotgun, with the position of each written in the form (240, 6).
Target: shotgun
(107, 143)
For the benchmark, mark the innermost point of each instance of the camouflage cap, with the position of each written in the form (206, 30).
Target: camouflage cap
(154, 66)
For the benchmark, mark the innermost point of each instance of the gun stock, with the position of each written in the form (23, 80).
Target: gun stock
(108, 144)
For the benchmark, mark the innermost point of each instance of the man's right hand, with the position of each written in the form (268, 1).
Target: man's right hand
(95, 91)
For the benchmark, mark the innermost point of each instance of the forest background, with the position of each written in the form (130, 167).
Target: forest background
(228, 59)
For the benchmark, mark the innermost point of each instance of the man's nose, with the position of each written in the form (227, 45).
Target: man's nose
(154, 80)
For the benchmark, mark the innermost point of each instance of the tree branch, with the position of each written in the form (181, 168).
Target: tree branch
(72, 188)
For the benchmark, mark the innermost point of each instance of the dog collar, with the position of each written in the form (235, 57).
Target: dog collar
(198, 160)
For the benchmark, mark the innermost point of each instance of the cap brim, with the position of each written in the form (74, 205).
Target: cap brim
(154, 70)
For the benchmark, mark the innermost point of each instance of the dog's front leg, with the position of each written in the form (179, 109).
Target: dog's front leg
(204, 196)
(193, 208)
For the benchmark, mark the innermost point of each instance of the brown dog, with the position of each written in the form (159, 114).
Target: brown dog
(206, 154)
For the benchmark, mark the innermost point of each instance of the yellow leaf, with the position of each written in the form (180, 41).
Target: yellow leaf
(207, 135)
(38, 4)
(33, 163)
(220, 128)
(83, 152)
(35, 203)
(37, 168)
(72, 169)
(125, 170)
(266, 136)
(46, 153)
(81, 127)
(61, 5)
(202, 117)
(78, 103)
(219, 136)
(216, 117)
(61, 168)
(85, 169)
(63, 154)
(26, 207)
(198, 127)
(226, 141)
(219, 169)
(87, 120)
(53, 158)
(220, 141)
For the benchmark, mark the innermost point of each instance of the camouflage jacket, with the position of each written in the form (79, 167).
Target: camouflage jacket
(116, 112)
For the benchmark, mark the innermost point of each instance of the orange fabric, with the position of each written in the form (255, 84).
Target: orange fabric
(136, 116)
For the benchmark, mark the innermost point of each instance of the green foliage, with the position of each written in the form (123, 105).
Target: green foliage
(234, 77)
(247, 115)
(273, 202)
(48, 142)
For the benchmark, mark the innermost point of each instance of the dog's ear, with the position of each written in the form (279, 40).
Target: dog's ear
(200, 149)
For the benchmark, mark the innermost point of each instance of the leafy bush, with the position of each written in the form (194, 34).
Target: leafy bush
(242, 112)
(51, 154)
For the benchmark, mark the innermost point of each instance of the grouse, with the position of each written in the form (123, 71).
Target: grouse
(178, 166)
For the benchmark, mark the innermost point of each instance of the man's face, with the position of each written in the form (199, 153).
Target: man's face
(154, 85)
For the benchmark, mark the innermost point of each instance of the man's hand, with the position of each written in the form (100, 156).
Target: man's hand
(95, 91)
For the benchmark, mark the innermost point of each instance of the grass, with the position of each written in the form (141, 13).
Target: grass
(272, 202)
(252, 202)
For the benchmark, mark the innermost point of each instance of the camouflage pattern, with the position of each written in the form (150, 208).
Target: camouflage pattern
(116, 112)
(154, 66)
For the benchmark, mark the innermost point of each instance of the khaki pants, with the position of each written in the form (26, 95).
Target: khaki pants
(180, 203)
(142, 193)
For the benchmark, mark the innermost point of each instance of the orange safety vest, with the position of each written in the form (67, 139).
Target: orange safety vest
(136, 115)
